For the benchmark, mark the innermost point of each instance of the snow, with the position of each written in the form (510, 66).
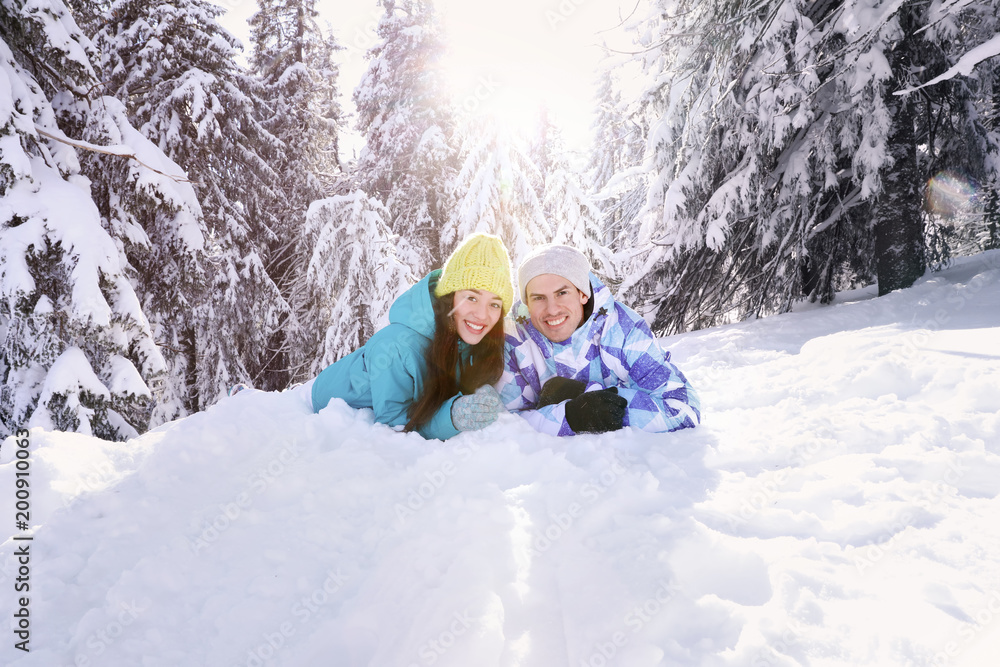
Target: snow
(838, 506)
(61, 31)
(124, 378)
(45, 203)
(70, 375)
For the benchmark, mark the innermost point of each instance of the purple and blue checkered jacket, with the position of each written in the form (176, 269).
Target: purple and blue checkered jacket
(613, 348)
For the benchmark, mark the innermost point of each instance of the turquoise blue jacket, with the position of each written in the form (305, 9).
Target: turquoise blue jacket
(387, 373)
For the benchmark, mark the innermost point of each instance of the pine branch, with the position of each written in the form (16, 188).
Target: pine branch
(120, 151)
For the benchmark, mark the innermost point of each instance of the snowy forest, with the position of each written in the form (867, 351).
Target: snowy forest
(176, 217)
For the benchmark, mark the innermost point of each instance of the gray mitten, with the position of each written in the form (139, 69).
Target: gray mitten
(478, 410)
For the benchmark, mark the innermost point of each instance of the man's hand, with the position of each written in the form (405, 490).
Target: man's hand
(596, 411)
(559, 389)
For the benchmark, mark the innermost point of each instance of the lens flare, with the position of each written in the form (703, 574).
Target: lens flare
(949, 194)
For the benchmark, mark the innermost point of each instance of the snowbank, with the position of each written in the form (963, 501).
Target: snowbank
(838, 506)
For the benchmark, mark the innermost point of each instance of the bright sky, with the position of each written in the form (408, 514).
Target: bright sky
(506, 58)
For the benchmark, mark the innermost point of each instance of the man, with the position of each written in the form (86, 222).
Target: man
(577, 361)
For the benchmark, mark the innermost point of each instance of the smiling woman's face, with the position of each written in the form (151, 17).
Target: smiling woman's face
(475, 312)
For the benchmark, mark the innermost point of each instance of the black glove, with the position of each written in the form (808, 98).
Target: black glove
(596, 411)
(559, 389)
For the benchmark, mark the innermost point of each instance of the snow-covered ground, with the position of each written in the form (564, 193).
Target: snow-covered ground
(838, 506)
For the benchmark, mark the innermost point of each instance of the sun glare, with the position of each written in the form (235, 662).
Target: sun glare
(511, 61)
(505, 60)
(502, 95)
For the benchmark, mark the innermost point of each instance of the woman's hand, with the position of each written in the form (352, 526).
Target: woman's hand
(478, 410)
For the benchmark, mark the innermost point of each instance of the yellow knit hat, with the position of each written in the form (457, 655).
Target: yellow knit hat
(479, 262)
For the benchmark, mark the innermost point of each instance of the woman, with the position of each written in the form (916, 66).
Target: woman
(431, 369)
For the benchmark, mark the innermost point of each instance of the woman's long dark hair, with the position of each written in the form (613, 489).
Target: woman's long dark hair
(484, 366)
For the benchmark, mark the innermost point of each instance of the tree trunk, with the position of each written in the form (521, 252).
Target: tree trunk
(991, 213)
(899, 233)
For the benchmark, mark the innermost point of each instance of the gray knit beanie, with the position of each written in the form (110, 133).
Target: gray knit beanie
(560, 260)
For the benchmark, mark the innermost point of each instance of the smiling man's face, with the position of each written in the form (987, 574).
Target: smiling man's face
(555, 306)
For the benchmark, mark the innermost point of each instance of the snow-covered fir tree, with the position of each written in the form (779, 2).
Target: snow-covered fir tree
(293, 58)
(152, 212)
(577, 220)
(405, 117)
(572, 214)
(213, 304)
(76, 350)
(960, 110)
(615, 179)
(546, 148)
(496, 191)
(781, 161)
(351, 280)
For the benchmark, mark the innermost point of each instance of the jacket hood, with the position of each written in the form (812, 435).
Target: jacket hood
(414, 308)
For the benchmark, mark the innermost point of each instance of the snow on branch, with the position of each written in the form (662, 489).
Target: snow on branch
(121, 151)
(964, 65)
